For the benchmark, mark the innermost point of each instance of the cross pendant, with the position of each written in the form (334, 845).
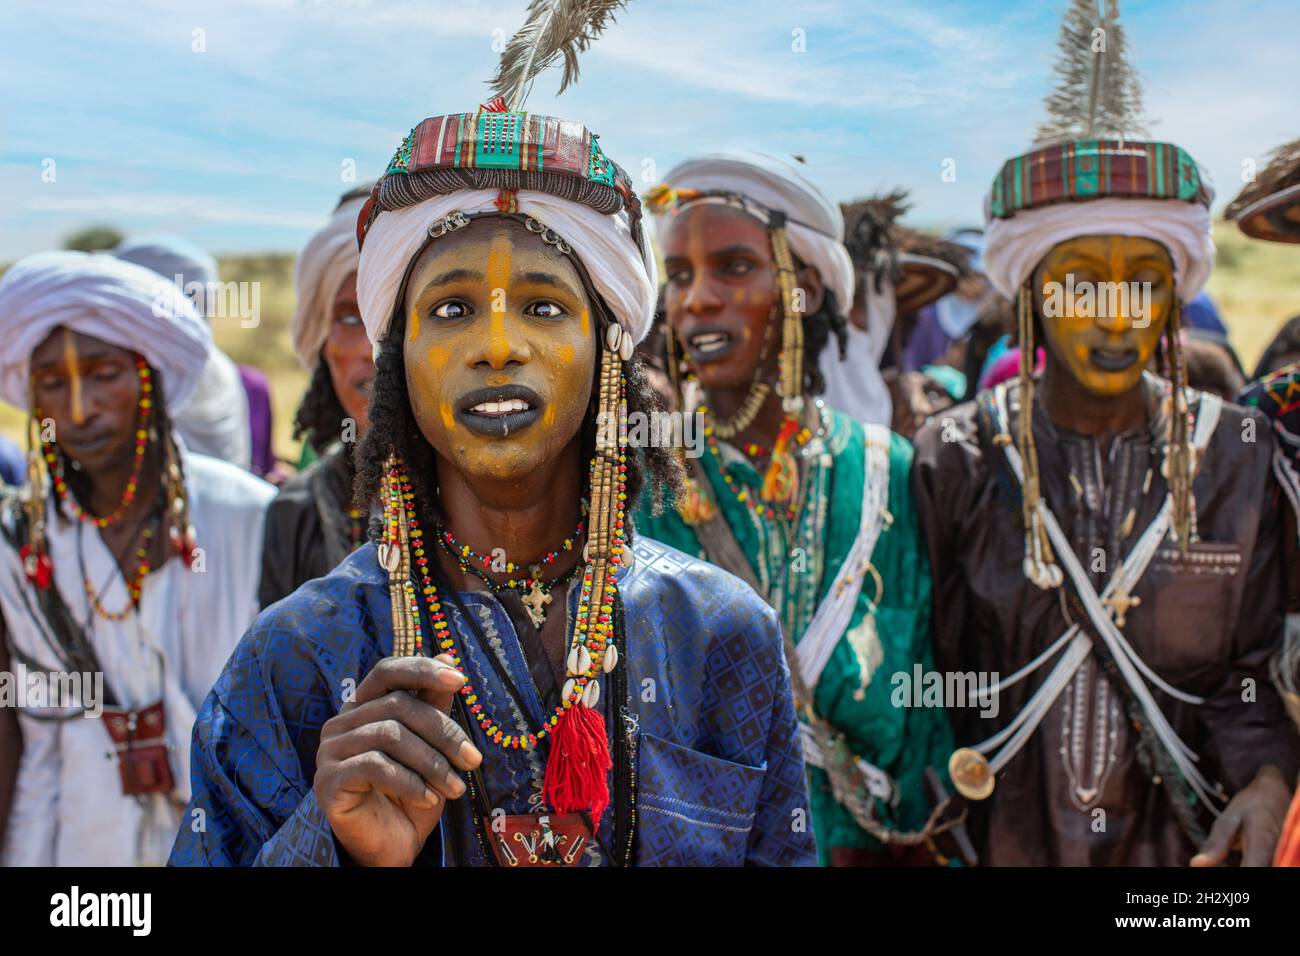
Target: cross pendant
(534, 601)
(1121, 602)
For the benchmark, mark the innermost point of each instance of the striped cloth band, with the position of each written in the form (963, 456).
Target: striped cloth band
(1096, 169)
(491, 149)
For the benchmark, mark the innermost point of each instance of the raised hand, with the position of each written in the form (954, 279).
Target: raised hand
(387, 763)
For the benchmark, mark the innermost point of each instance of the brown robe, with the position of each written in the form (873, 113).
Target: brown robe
(1078, 792)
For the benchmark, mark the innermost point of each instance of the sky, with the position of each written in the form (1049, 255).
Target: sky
(237, 122)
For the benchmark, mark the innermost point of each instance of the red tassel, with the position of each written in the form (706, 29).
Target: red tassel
(495, 105)
(578, 764)
(39, 567)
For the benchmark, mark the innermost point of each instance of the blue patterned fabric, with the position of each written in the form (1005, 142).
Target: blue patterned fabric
(720, 777)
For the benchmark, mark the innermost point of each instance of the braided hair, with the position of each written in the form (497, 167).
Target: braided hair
(320, 416)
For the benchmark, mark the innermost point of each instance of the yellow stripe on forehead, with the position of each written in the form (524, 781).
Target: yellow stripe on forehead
(498, 267)
(71, 360)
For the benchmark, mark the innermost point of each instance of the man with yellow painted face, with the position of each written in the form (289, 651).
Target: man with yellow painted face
(807, 503)
(510, 676)
(127, 563)
(1104, 542)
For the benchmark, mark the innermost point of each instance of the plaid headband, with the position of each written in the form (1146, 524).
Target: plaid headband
(494, 149)
(1096, 169)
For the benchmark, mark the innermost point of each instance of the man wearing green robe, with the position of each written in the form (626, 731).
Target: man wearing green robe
(811, 507)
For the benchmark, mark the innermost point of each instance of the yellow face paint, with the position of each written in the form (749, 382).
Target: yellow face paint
(498, 276)
(496, 337)
(1104, 302)
(70, 359)
(414, 323)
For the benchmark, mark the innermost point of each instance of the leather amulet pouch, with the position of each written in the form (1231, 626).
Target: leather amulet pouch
(526, 839)
(140, 745)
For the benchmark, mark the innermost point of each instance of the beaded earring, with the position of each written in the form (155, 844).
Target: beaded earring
(781, 482)
(1040, 565)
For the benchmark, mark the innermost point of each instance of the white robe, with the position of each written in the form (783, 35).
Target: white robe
(68, 808)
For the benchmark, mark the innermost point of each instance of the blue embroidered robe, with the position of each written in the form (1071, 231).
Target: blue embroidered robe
(719, 770)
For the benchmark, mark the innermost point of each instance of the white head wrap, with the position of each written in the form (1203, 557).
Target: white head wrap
(854, 384)
(180, 260)
(118, 302)
(815, 224)
(625, 278)
(1013, 247)
(330, 257)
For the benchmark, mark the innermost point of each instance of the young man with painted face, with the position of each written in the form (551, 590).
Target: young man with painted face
(809, 506)
(125, 556)
(313, 523)
(510, 677)
(1103, 543)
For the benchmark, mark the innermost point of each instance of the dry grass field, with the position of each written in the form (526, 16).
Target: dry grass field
(1256, 285)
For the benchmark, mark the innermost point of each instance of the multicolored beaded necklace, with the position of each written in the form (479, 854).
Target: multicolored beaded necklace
(67, 500)
(538, 592)
(134, 584)
(759, 508)
(591, 651)
(464, 553)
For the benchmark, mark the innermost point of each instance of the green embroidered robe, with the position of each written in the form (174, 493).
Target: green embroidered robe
(902, 741)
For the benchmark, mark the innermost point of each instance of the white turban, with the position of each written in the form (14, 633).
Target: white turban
(215, 419)
(625, 278)
(330, 257)
(180, 260)
(1013, 247)
(854, 384)
(117, 302)
(817, 230)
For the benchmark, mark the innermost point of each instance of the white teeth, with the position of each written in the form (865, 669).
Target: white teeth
(501, 408)
(710, 341)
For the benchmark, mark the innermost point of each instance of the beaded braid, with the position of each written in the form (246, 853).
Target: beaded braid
(1179, 465)
(1040, 565)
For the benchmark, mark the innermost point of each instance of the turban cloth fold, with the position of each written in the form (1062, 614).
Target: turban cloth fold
(1014, 246)
(118, 302)
(624, 275)
(331, 255)
(177, 259)
(814, 224)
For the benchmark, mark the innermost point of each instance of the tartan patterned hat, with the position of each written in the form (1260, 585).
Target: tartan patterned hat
(495, 149)
(1089, 169)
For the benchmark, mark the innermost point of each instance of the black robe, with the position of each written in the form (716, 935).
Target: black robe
(1078, 793)
(308, 528)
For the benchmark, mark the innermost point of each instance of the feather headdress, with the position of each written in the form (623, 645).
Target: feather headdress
(554, 30)
(1098, 95)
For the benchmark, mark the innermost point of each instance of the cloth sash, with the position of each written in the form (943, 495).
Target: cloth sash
(830, 622)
